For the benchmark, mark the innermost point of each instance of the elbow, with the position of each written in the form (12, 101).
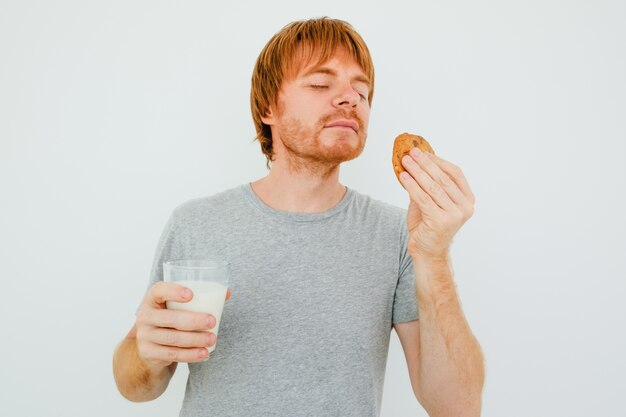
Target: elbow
(132, 391)
(133, 380)
(128, 395)
(135, 398)
(137, 391)
(455, 410)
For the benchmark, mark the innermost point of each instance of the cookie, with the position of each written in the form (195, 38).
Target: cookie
(402, 145)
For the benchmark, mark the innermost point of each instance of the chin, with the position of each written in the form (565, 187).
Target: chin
(343, 151)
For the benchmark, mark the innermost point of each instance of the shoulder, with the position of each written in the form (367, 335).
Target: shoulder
(373, 205)
(378, 215)
(383, 221)
(201, 208)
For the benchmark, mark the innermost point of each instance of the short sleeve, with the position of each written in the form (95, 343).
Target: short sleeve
(167, 249)
(405, 298)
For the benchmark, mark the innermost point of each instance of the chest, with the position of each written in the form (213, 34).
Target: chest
(333, 282)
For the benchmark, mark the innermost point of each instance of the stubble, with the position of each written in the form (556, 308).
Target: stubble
(305, 151)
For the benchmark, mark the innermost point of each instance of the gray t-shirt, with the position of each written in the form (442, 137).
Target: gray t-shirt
(314, 295)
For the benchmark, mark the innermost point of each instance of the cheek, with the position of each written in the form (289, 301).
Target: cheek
(306, 107)
(364, 114)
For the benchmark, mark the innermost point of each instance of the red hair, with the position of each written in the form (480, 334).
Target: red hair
(292, 48)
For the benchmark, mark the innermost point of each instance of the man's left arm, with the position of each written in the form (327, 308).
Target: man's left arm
(445, 361)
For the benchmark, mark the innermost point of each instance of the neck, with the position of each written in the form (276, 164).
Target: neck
(307, 189)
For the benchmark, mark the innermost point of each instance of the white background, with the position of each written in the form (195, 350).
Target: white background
(113, 113)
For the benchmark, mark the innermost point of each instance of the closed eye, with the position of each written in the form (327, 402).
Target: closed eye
(318, 86)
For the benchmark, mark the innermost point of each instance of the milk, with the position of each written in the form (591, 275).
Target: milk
(208, 297)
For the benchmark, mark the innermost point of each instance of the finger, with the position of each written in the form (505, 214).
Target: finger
(178, 319)
(427, 184)
(419, 196)
(156, 352)
(439, 176)
(177, 338)
(227, 294)
(456, 174)
(168, 291)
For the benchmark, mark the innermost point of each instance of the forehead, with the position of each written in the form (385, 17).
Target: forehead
(305, 62)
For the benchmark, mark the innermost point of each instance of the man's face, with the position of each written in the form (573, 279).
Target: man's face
(323, 112)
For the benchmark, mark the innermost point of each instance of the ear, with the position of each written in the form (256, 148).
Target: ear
(268, 118)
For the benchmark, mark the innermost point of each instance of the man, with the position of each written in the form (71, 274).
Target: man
(319, 273)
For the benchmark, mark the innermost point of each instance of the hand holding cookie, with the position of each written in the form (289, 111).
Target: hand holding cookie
(441, 198)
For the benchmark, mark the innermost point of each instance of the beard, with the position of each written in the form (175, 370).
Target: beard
(320, 149)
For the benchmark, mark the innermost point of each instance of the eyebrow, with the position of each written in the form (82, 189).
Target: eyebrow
(326, 70)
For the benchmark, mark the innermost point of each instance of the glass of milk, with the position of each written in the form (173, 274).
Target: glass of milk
(208, 279)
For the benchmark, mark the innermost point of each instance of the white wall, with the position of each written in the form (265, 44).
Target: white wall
(112, 113)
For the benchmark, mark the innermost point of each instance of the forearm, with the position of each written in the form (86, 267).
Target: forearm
(135, 381)
(451, 366)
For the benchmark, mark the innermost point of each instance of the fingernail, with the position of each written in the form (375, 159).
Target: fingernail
(186, 293)
(416, 152)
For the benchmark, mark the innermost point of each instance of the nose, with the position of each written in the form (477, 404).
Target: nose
(346, 97)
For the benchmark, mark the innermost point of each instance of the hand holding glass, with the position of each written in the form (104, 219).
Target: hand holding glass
(207, 279)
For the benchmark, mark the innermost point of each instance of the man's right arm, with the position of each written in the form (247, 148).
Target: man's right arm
(135, 380)
(144, 362)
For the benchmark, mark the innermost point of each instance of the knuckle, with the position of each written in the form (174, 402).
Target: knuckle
(159, 289)
(142, 316)
(168, 319)
(155, 293)
(171, 354)
(158, 286)
(145, 351)
(444, 180)
(435, 188)
(171, 338)
(141, 334)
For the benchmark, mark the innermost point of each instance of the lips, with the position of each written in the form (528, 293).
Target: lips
(345, 123)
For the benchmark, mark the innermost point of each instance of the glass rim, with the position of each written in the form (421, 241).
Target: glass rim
(215, 264)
